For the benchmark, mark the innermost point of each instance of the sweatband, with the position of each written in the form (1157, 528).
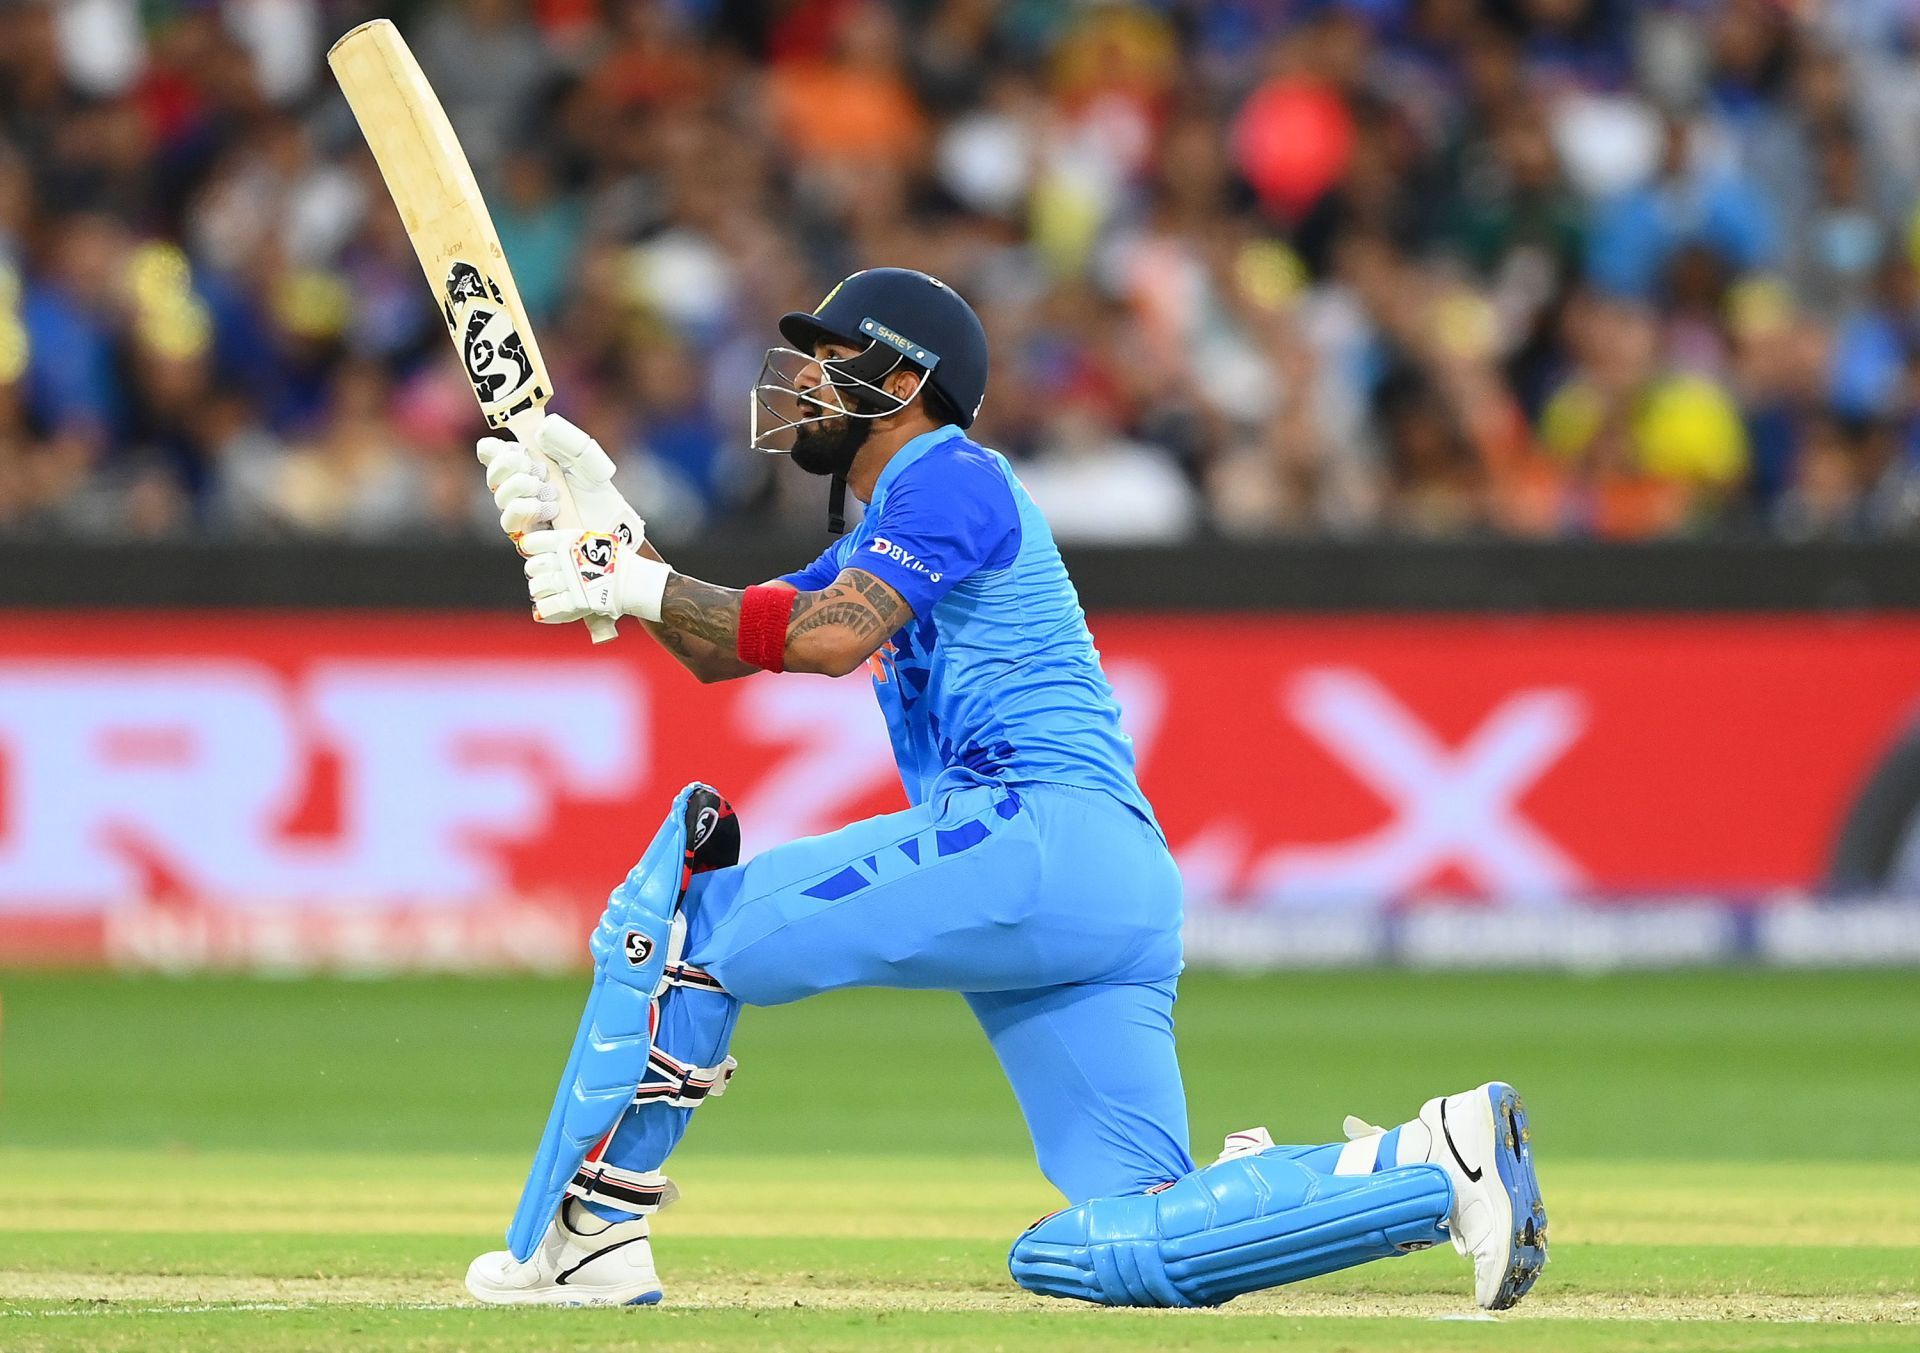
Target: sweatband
(764, 613)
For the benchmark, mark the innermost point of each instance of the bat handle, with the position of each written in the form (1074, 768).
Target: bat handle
(526, 430)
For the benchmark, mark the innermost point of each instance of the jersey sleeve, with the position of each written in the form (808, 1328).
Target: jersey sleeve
(817, 574)
(944, 521)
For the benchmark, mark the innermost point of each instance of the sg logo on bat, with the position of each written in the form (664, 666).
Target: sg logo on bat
(491, 349)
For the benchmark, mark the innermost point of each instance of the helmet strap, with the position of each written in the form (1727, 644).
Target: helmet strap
(837, 506)
(861, 402)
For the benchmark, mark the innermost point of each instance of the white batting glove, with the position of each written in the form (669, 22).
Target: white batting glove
(528, 500)
(575, 574)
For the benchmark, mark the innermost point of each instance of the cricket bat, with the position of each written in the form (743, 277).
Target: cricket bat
(446, 218)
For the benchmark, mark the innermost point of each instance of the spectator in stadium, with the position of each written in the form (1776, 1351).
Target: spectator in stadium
(1386, 226)
(1695, 198)
(1645, 451)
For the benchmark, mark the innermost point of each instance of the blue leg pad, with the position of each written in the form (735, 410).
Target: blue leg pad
(610, 1048)
(1233, 1227)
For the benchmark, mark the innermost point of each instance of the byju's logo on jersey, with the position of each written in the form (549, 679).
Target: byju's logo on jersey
(881, 545)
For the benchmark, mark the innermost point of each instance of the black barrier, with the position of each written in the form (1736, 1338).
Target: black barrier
(1213, 576)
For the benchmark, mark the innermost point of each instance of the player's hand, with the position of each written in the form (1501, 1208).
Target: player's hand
(528, 499)
(572, 575)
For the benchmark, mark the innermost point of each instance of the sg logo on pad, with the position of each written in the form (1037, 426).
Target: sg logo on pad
(639, 948)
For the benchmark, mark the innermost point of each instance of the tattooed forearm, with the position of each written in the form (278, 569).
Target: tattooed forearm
(705, 659)
(857, 602)
(850, 615)
(885, 601)
(701, 609)
(832, 630)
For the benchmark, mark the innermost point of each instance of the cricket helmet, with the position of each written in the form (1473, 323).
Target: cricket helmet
(899, 316)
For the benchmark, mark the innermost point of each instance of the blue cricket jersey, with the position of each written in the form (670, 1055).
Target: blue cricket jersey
(996, 672)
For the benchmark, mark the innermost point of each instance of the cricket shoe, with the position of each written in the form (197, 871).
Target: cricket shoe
(582, 1260)
(1498, 1217)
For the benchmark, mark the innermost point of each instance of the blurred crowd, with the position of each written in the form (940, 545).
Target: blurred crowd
(1447, 268)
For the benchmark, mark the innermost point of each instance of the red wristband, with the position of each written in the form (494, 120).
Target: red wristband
(763, 626)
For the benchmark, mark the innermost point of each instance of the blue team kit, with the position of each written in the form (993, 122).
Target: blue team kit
(1027, 874)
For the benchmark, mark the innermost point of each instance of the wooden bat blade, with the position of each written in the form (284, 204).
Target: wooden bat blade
(446, 218)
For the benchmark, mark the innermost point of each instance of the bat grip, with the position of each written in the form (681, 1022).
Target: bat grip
(526, 430)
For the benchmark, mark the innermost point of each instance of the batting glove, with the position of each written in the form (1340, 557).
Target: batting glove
(575, 574)
(527, 498)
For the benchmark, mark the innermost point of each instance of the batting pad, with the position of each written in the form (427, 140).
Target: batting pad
(1233, 1227)
(610, 1051)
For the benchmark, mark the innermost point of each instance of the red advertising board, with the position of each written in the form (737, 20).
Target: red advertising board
(179, 782)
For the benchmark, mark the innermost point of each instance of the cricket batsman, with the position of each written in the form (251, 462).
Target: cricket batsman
(1029, 874)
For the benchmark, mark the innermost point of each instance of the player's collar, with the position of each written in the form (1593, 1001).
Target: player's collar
(911, 452)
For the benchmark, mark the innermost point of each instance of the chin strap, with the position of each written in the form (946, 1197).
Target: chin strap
(837, 506)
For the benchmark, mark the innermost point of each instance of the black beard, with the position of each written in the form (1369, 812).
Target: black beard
(829, 448)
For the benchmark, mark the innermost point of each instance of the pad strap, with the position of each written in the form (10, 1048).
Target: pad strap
(668, 1081)
(640, 1191)
(1246, 1142)
(686, 975)
(1361, 1154)
(672, 1081)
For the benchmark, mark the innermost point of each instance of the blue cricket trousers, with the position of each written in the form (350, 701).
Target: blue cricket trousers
(1055, 910)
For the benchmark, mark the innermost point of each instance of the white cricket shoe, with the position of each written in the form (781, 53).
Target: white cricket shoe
(582, 1260)
(1498, 1218)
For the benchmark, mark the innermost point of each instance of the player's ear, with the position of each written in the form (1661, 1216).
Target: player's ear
(905, 384)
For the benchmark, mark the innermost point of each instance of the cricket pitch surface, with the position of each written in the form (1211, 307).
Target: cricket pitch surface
(221, 1163)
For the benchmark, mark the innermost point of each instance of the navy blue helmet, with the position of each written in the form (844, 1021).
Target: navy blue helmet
(916, 316)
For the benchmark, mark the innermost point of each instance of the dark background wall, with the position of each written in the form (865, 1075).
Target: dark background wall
(1671, 576)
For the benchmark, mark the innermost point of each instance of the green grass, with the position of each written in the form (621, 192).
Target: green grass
(216, 1164)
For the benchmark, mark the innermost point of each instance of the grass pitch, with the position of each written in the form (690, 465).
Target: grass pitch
(228, 1164)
